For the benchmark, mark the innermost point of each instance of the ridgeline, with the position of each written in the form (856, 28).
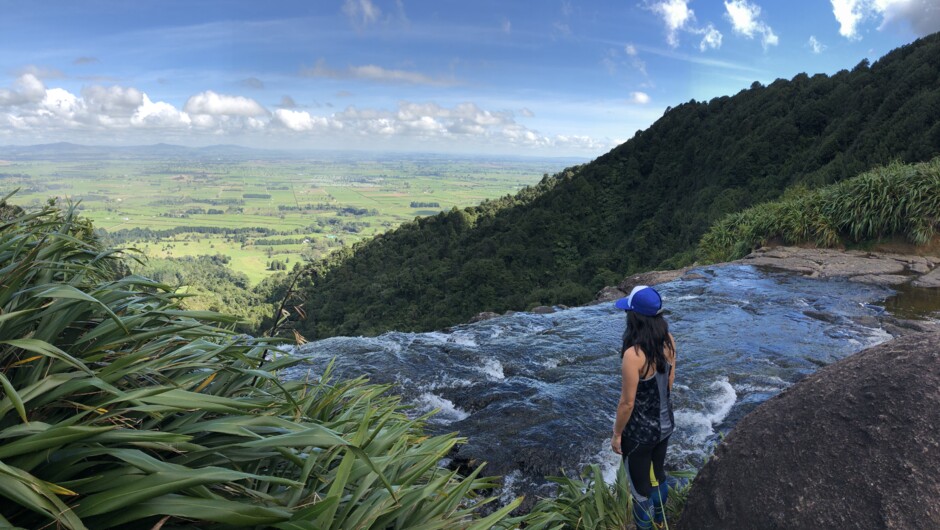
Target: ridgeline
(643, 205)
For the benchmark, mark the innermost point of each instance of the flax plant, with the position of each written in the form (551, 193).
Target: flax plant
(120, 410)
(897, 200)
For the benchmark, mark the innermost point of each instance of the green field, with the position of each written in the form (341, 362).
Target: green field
(259, 211)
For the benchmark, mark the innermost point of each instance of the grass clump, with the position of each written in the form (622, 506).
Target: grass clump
(121, 410)
(895, 200)
(589, 502)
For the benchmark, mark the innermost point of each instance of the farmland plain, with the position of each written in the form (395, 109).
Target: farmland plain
(264, 212)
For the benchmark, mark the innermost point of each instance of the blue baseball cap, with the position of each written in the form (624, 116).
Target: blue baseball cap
(644, 300)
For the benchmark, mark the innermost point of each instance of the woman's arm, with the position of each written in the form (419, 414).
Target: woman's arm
(675, 357)
(629, 378)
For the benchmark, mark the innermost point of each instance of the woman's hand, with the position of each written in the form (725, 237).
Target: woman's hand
(615, 443)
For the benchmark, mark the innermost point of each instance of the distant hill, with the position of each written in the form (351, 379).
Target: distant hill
(643, 205)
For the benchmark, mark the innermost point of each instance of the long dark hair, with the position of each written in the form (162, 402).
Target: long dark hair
(649, 334)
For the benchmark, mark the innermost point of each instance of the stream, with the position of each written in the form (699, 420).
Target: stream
(535, 394)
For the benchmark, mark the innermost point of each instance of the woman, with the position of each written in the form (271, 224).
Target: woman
(644, 414)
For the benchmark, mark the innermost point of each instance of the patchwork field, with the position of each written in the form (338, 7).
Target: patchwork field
(261, 211)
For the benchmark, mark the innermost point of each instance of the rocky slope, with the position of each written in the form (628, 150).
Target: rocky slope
(854, 445)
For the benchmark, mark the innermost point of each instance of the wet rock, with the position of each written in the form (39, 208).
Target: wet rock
(852, 446)
(931, 279)
(609, 294)
(650, 278)
(824, 317)
(543, 310)
(868, 267)
(486, 315)
(881, 279)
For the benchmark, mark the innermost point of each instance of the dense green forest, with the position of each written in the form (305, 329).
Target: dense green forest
(644, 205)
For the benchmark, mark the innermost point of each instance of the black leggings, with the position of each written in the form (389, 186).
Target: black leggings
(638, 458)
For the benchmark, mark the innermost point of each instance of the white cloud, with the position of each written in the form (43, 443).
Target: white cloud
(815, 45)
(639, 98)
(299, 120)
(213, 104)
(711, 39)
(60, 103)
(159, 115)
(26, 89)
(848, 13)
(371, 72)
(506, 26)
(745, 20)
(361, 12)
(922, 16)
(630, 50)
(112, 101)
(30, 110)
(676, 15)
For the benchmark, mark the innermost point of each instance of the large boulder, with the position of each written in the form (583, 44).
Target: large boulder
(855, 445)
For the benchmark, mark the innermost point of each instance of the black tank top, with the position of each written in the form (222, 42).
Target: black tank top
(652, 419)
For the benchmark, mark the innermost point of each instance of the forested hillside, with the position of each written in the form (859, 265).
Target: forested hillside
(644, 205)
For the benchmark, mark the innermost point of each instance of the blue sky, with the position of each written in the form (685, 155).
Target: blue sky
(553, 77)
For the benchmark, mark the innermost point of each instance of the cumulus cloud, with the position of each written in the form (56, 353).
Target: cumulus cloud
(745, 20)
(371, 72)
(299, 120)
(679, 17)
(361, 12)
(676, 15)
(26, 89)
(922, 16)
(30, 109)
(112, 101)
(159, 115)
(630, 50)
(639, 98)
(814, 45)
(212, 104)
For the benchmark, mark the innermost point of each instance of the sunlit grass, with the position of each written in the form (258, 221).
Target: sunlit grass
(895, 200)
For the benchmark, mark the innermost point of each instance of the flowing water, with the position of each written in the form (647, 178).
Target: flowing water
(536, 393)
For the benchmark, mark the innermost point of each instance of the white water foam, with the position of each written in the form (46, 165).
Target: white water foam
(493, 369)
(682, 298)
(463, 339)
(876, 337)
(448, 411)
(701, 425)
